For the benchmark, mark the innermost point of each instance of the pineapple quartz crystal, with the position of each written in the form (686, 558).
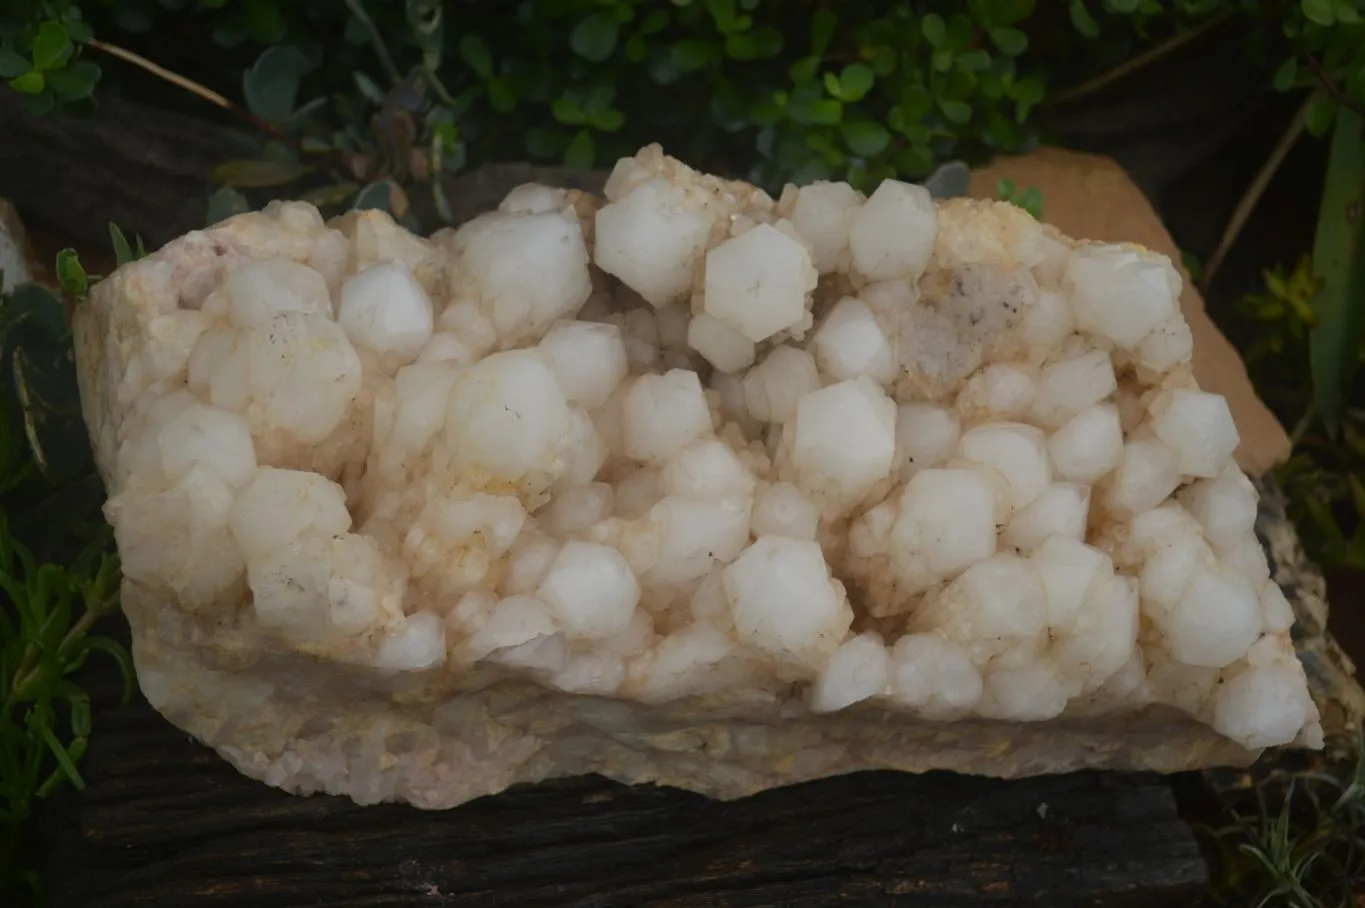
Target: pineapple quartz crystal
(685, 484)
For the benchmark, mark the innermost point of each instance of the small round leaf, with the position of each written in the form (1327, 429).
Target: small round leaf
(474, 51)
(595, 37)
(1011, 41)
(865, 137)
(50, 45)
(1082, 20)
(934, 28)
(581, 151)
(855, 82)
(1319, 11)
(30, 83)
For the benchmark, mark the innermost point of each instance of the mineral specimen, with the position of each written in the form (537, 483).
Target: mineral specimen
(686, 485)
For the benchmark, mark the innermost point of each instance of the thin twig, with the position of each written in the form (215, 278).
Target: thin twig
(1253, 194)
(1301, 427)
(1327, 82)
(376, 39)
(1137, 61)
(189, 85)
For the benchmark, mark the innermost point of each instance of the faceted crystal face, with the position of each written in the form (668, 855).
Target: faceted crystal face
(685, 459)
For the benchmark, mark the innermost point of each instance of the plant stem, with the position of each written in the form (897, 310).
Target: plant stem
(1247, 203)
(23, 678)
(176, 79)
(376, 39)
(1330, 84)
(190, 86)
(1137, 61)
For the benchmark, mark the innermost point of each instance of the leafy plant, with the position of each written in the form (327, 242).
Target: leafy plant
(41, 58)
(1300, 843)
(1031, 199)
(58, 578)
(45, 720)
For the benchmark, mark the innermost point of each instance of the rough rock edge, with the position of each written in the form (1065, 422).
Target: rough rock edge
(437, 755)
(1331, 673)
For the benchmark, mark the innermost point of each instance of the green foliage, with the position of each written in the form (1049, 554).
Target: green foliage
(1031, 199)
(1299, 843)
(41, 55)
(1325, 476)
(58, 576)
(1339, 260)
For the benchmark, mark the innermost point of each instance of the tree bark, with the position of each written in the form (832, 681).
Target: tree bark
(146, 170)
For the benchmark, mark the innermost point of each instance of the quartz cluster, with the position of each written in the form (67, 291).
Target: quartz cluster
(686, 484)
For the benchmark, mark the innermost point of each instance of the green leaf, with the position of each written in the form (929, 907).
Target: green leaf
(855, 82)
(916, 103)
(79, 30)
(1082, 21)
(123, 253)
(865, 138)
(961, 30)
(271, 85)
(120, 656)
(804, 69)
(223, 204)
(935, 29)
(1319, 11)
(568, 111)
(1339, 263)
(809, 109)
(655, 22)
(581, 152)
(71, 274)
(974, 61)
(1284, 76)
(261, 174)
(374, 197)
(474, 51)
(264, 21)
(323, 196)
(50, 45)
(690, 56)
(722, 13)
(1319, 115)
(609, 120)
(71, 83)
(368, 88)
(545, 143)
(832, 85)
(594, 38)
(636, 49)
(1345, 11)
(40, 103)
(1008, 12)
(956, 111)
(914, 161)
(1011, 41)
(500, 96)
(13, 65)
(62, 757)
(759, 44)
(30, 83)
(822, 26)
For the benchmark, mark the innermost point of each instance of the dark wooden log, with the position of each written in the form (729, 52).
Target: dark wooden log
(146, 170)
(164, 821)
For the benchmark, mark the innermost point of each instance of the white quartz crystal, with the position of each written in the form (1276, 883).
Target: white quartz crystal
(685, 485)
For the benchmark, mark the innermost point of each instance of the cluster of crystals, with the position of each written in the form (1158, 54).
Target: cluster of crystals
(690, 440)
